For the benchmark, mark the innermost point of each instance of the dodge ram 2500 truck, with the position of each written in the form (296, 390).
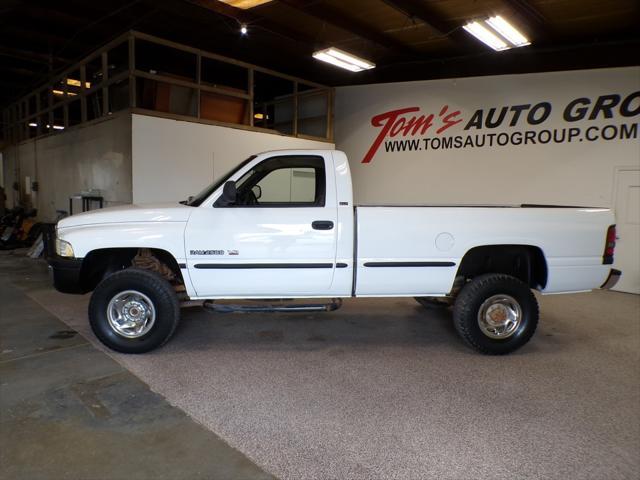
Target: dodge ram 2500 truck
(282, 225)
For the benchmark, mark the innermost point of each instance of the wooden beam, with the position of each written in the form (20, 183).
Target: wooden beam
(24, 72)
(528, 11)
(533, 18)
(12, 83)
(33, 35)
(222, 58)
(54, 16)
(31, 56)
(332, 16)
(419, 10)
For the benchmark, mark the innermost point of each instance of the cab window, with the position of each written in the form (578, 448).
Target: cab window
(283, 181)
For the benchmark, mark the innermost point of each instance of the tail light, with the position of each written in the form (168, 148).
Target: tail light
(609, 246)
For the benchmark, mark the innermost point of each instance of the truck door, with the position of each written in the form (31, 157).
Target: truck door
(277, 240)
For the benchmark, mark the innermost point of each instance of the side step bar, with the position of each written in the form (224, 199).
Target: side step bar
(335, 304)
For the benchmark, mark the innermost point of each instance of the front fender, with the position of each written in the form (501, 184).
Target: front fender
(168, 236)
(165, 236)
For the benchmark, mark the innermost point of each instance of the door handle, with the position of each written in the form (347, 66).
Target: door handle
(322, 225)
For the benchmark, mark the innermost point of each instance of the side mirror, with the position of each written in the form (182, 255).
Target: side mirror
(229, 194)
(257, 191)
(187, 201)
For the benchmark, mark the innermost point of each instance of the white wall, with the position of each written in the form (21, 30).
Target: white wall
(174, 159)
(95, 156)
(580, 172)
(131, 158)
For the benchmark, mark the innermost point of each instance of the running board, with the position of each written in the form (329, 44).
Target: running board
(335, 304)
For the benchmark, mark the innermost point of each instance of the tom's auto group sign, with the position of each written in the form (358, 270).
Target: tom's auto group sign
(409, 128)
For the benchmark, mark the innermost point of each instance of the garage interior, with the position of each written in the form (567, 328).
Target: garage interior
(111, 103)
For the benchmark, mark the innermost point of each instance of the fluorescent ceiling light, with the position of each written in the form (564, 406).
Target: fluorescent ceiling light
(245, 4)
(508, 31)
(334, 61)
(484, 35)
(347, 57)
(55, 127)
(60, 92)
(497, 33)
(342, 59)
(76, 83)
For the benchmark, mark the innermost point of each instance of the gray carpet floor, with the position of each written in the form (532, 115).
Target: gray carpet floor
(385, 389)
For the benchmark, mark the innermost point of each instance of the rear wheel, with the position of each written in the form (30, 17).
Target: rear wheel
(496, 314)
(134, 311)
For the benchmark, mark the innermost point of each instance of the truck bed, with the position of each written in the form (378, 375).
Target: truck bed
(416, 250)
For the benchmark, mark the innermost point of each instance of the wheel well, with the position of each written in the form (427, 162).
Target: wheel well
(100, 263)
(524, 262)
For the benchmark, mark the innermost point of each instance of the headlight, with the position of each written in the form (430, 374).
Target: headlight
(64, 249)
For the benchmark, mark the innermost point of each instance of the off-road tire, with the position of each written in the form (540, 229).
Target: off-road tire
(470, 300)
(157, 289)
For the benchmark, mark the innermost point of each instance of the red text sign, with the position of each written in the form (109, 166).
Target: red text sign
(396, 122)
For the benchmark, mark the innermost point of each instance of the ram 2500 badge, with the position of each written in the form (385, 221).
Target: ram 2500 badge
(283, 225)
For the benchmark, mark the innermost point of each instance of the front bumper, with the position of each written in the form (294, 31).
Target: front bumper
(612, 279)
(66, 274)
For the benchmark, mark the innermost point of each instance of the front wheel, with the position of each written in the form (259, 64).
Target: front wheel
(496, 314)
(134, 311)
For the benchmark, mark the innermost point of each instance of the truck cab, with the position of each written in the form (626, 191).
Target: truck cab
(280, 226)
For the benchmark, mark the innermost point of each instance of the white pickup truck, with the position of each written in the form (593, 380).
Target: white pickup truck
(282, 225)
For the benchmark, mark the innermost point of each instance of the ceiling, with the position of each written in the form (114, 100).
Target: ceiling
(407, 39)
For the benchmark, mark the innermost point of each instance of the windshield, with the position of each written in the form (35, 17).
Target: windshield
(197, 200)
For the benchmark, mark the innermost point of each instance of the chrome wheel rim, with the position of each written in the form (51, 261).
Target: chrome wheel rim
(500, 316)
(131, 314)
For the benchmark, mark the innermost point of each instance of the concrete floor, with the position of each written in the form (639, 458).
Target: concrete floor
(385, 389)
(68, 410)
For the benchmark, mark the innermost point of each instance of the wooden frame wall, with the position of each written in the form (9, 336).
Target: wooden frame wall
(42, 103)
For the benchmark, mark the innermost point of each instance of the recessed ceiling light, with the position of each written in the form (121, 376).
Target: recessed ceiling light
(497, 33)
(245, 4)
(343, 59)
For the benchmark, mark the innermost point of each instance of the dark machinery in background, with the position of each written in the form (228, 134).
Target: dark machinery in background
(18, 228)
